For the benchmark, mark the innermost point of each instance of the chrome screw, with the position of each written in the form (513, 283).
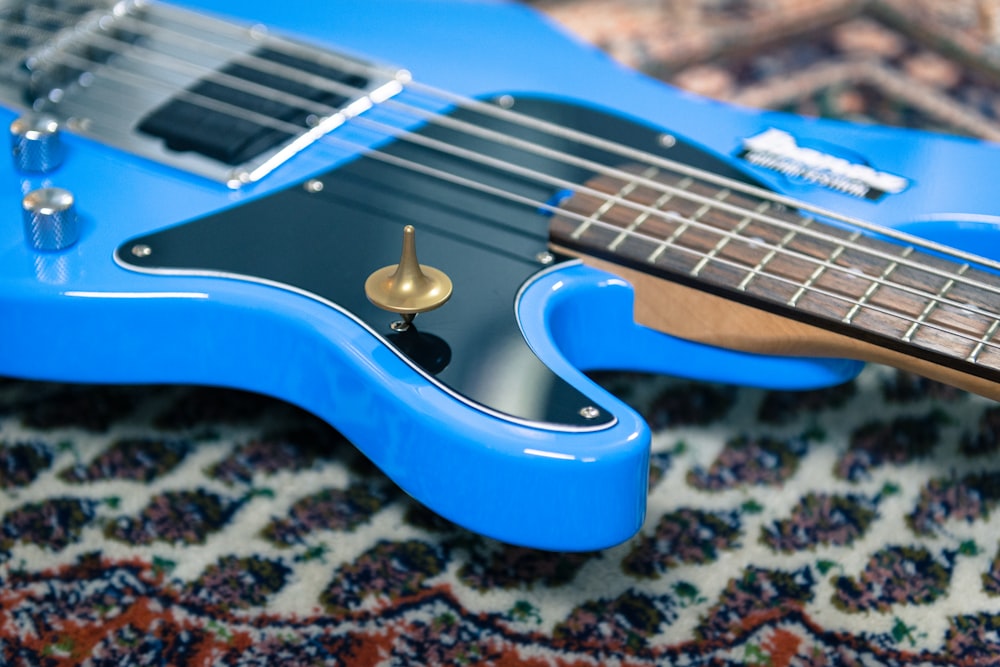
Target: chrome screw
(545, 258)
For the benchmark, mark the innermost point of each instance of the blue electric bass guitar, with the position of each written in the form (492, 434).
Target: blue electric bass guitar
(422, 219)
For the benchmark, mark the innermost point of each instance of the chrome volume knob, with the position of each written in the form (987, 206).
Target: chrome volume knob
(36, 144)
(50, 221)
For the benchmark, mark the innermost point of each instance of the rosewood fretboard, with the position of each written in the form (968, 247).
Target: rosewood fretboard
(759, 253)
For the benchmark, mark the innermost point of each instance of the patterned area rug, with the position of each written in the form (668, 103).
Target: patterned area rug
(850, 526)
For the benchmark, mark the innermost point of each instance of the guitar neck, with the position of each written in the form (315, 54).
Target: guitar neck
(740, 270)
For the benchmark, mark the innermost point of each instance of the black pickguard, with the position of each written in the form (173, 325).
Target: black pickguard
(328, 242)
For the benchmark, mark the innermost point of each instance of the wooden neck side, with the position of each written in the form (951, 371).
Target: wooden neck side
(741, 272)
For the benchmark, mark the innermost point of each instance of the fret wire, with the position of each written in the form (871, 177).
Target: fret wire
(646, 157)
(884, 276)
(703, 210)
(849, 245)
(596, 141)
(663, 244)
(931, 305)
(687, 224)
(670, 192)
(775, 250)
(687, 170)
(820, 270)
(693, 221)
(645, 215)
(984, 342)
(687, 195)
(553, 208)
(237, 112)
(763, 219)
(677, 191)
(622, 193)
(770, 220)
(654, 182)
(724, 241)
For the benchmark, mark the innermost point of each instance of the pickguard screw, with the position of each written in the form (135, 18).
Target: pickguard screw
(668, 140)
(142, 250)
(590, 412)
(238, 178)
(545, 258)
(79, 124)
(506, 101)
(314, 185)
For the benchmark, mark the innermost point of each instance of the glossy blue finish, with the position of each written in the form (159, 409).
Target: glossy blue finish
(77, 316)
(581, 318)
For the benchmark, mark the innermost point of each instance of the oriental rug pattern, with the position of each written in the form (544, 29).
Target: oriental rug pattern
(855, 525)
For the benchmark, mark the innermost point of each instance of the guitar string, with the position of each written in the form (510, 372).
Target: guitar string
(246, 85)
(934, 299)
(566, 184)
(281, 70)
(527, 121)
(297, 129)
(541, 177)
(888, 312)
(981, 342)
(242, 84)
(978, 341)
(547, 127)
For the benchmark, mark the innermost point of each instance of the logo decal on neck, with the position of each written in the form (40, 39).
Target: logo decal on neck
(778, 151)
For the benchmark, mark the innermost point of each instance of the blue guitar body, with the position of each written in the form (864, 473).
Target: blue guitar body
(569, 477)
